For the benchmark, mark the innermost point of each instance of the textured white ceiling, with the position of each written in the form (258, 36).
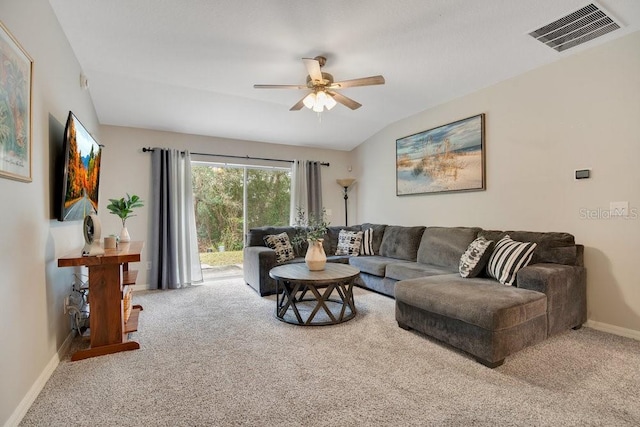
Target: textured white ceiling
(189, 66)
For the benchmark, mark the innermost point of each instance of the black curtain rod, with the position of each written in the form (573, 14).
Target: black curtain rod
(149, 149)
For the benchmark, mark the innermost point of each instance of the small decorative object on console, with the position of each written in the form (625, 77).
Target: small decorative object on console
(92, 230)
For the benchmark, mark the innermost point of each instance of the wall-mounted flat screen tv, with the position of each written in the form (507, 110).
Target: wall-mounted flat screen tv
(80, 172)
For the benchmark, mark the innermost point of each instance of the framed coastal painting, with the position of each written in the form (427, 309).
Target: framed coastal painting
(443, 159)
(15, 108)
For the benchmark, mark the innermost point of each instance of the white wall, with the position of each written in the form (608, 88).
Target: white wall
(129, 171)
(582, 111)
(32, 324)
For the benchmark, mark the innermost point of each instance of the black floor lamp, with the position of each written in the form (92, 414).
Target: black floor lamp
(345, 183)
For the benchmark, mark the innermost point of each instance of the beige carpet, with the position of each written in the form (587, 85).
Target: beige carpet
(215, 355)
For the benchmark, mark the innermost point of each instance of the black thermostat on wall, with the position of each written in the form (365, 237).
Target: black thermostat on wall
(583, 173)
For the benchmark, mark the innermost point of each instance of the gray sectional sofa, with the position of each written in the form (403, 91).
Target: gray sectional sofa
(418, 266)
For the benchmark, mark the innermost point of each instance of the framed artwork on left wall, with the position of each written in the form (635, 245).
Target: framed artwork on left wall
(16, 68)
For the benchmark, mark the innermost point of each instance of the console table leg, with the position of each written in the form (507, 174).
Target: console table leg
(104, 349)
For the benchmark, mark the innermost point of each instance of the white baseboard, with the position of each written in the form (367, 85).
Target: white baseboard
(141, 287)
(612, 329)
(37, 387)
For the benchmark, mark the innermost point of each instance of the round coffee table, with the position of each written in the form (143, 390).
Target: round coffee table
(298, 293)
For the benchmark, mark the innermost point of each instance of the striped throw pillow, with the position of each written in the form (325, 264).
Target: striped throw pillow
(367, 242)
(507, 258)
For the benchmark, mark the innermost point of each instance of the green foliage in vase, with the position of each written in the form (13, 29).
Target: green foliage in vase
(123, 207)
(310, 228)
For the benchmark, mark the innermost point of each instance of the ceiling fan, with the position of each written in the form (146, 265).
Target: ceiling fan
(323, 89)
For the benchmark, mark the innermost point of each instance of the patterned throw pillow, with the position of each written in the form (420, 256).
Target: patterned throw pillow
(367, 242)
(349, 243)
(475, 258)
(508, 257)
(280, 243)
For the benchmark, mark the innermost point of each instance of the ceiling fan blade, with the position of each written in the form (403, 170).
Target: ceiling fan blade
(280, 87)
(298, 105)
(364, 81)
(313, 68)
(346, 101)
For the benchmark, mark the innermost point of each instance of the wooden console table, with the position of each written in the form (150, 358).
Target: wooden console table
(109, 281)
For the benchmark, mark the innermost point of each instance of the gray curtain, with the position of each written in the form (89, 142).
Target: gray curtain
(306, 189)
(314, 189)
(298, 190)
(175, 260)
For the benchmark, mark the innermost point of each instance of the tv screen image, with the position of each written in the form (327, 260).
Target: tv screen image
(81, 172)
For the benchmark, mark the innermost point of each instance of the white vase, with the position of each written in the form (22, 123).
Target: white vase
(124, 235)
(315, 257)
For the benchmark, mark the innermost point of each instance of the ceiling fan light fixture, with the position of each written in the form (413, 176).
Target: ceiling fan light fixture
(324, 89)
(309, 100)
(318, 107)
(330, 102)
(321, 100)
(318, 101)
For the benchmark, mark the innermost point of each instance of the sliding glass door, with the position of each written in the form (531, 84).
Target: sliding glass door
(268, 196)
(229, 200)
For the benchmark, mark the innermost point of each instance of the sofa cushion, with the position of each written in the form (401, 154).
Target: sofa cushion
(401, 242)
(508, 257)
(553, 247)
(478, 301)
(349, 243)
(375, 265)
(281, 245)
(255, 236)
(443, 246)
(341, 259)
(475, 258)
(403, 270)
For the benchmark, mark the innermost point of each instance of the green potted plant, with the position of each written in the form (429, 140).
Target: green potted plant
(123, 208)
(312, 230)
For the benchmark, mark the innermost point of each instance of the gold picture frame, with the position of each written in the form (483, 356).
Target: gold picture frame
(16, 70)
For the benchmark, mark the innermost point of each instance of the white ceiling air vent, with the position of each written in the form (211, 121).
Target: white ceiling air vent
(576, 28)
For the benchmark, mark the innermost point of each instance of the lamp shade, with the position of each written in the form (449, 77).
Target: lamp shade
(345, 182)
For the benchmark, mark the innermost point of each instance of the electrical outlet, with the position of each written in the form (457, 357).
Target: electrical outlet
(619, 208)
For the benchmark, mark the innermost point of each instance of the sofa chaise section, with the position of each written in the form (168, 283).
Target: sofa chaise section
(490, 320)
(479, 316)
